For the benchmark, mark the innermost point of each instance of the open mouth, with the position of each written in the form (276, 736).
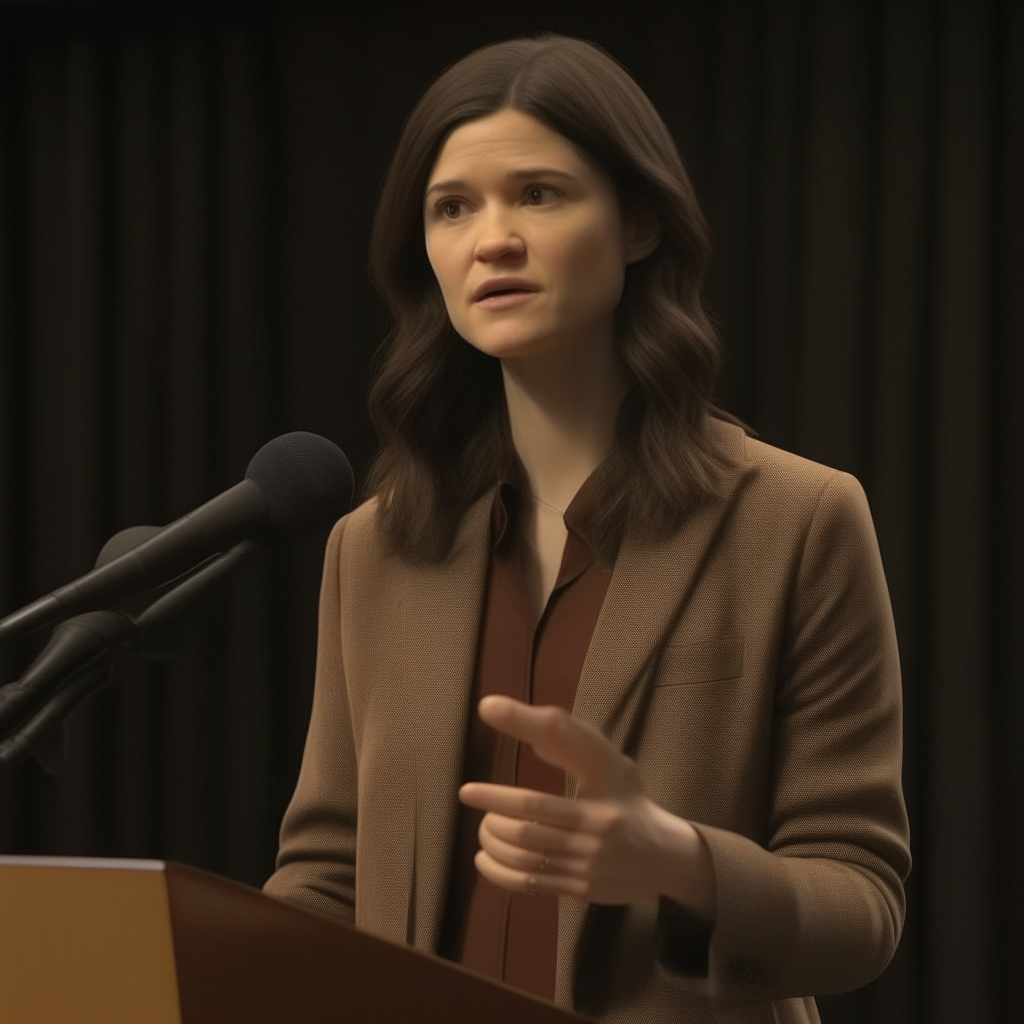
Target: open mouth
(505, 298)
(500, 295)
(503, 288)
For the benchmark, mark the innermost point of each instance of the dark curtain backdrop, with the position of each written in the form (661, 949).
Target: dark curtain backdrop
(185, 201)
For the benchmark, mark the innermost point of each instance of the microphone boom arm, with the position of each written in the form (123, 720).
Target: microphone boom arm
(35, 709)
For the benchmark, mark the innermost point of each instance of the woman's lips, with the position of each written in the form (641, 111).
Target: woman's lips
(505, 299)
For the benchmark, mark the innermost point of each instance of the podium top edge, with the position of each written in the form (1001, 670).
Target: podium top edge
(101, 863)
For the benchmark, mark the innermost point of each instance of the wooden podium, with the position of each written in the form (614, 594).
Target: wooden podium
(86, 941)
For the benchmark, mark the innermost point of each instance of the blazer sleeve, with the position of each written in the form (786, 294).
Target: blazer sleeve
(317, 854)
(819, 907)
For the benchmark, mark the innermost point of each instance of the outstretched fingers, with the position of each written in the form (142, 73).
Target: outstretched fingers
(537, 838)
(564, 741)
(523, 804)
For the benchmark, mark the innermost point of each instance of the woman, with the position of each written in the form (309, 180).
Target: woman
(610, 688)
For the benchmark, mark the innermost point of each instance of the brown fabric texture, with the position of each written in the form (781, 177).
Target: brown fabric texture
(513, 936)
(748, 665)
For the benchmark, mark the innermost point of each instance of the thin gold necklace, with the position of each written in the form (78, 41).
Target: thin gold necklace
(544, 504)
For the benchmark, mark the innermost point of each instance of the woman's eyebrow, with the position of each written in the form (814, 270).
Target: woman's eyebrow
(538, 172)
(454, 184)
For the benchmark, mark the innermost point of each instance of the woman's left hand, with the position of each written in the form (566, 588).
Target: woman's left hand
(610, 845)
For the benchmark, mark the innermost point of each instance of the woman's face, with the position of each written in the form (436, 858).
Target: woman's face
(526, 238)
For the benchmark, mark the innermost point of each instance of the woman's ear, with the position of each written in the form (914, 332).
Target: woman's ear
(643, 234)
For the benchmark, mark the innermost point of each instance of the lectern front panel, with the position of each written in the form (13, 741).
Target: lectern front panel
(85, 941)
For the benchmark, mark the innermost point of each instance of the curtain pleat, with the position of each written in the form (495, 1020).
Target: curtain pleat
(1007, 599)
(960, 908)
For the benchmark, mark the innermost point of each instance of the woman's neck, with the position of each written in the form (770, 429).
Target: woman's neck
(562, 410)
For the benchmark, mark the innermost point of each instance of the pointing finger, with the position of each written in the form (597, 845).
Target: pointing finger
(563, 741)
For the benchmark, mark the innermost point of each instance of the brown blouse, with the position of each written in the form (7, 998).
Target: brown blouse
(504, 935)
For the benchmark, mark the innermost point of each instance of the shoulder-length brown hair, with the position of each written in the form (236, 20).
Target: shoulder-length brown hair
(438, 403)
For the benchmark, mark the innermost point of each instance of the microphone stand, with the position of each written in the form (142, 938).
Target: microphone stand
(98, 637)
(43, 736)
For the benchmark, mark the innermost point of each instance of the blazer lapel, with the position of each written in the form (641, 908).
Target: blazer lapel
(649, 588)
(442, 607)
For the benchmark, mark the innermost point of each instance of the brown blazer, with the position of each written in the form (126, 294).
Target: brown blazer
(749, 666)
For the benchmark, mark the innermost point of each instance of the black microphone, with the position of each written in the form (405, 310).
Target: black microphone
(294, 483)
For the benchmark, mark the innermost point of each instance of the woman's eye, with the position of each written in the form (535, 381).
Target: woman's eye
(538, 194)
(449, 208)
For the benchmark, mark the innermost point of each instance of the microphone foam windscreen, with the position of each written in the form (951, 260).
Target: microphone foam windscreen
(306, 481)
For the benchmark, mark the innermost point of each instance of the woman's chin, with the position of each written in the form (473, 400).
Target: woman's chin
(512, 348)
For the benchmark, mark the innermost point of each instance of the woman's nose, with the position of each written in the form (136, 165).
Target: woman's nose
(498, 237)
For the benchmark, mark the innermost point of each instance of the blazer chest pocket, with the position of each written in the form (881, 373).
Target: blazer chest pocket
(704, 661)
